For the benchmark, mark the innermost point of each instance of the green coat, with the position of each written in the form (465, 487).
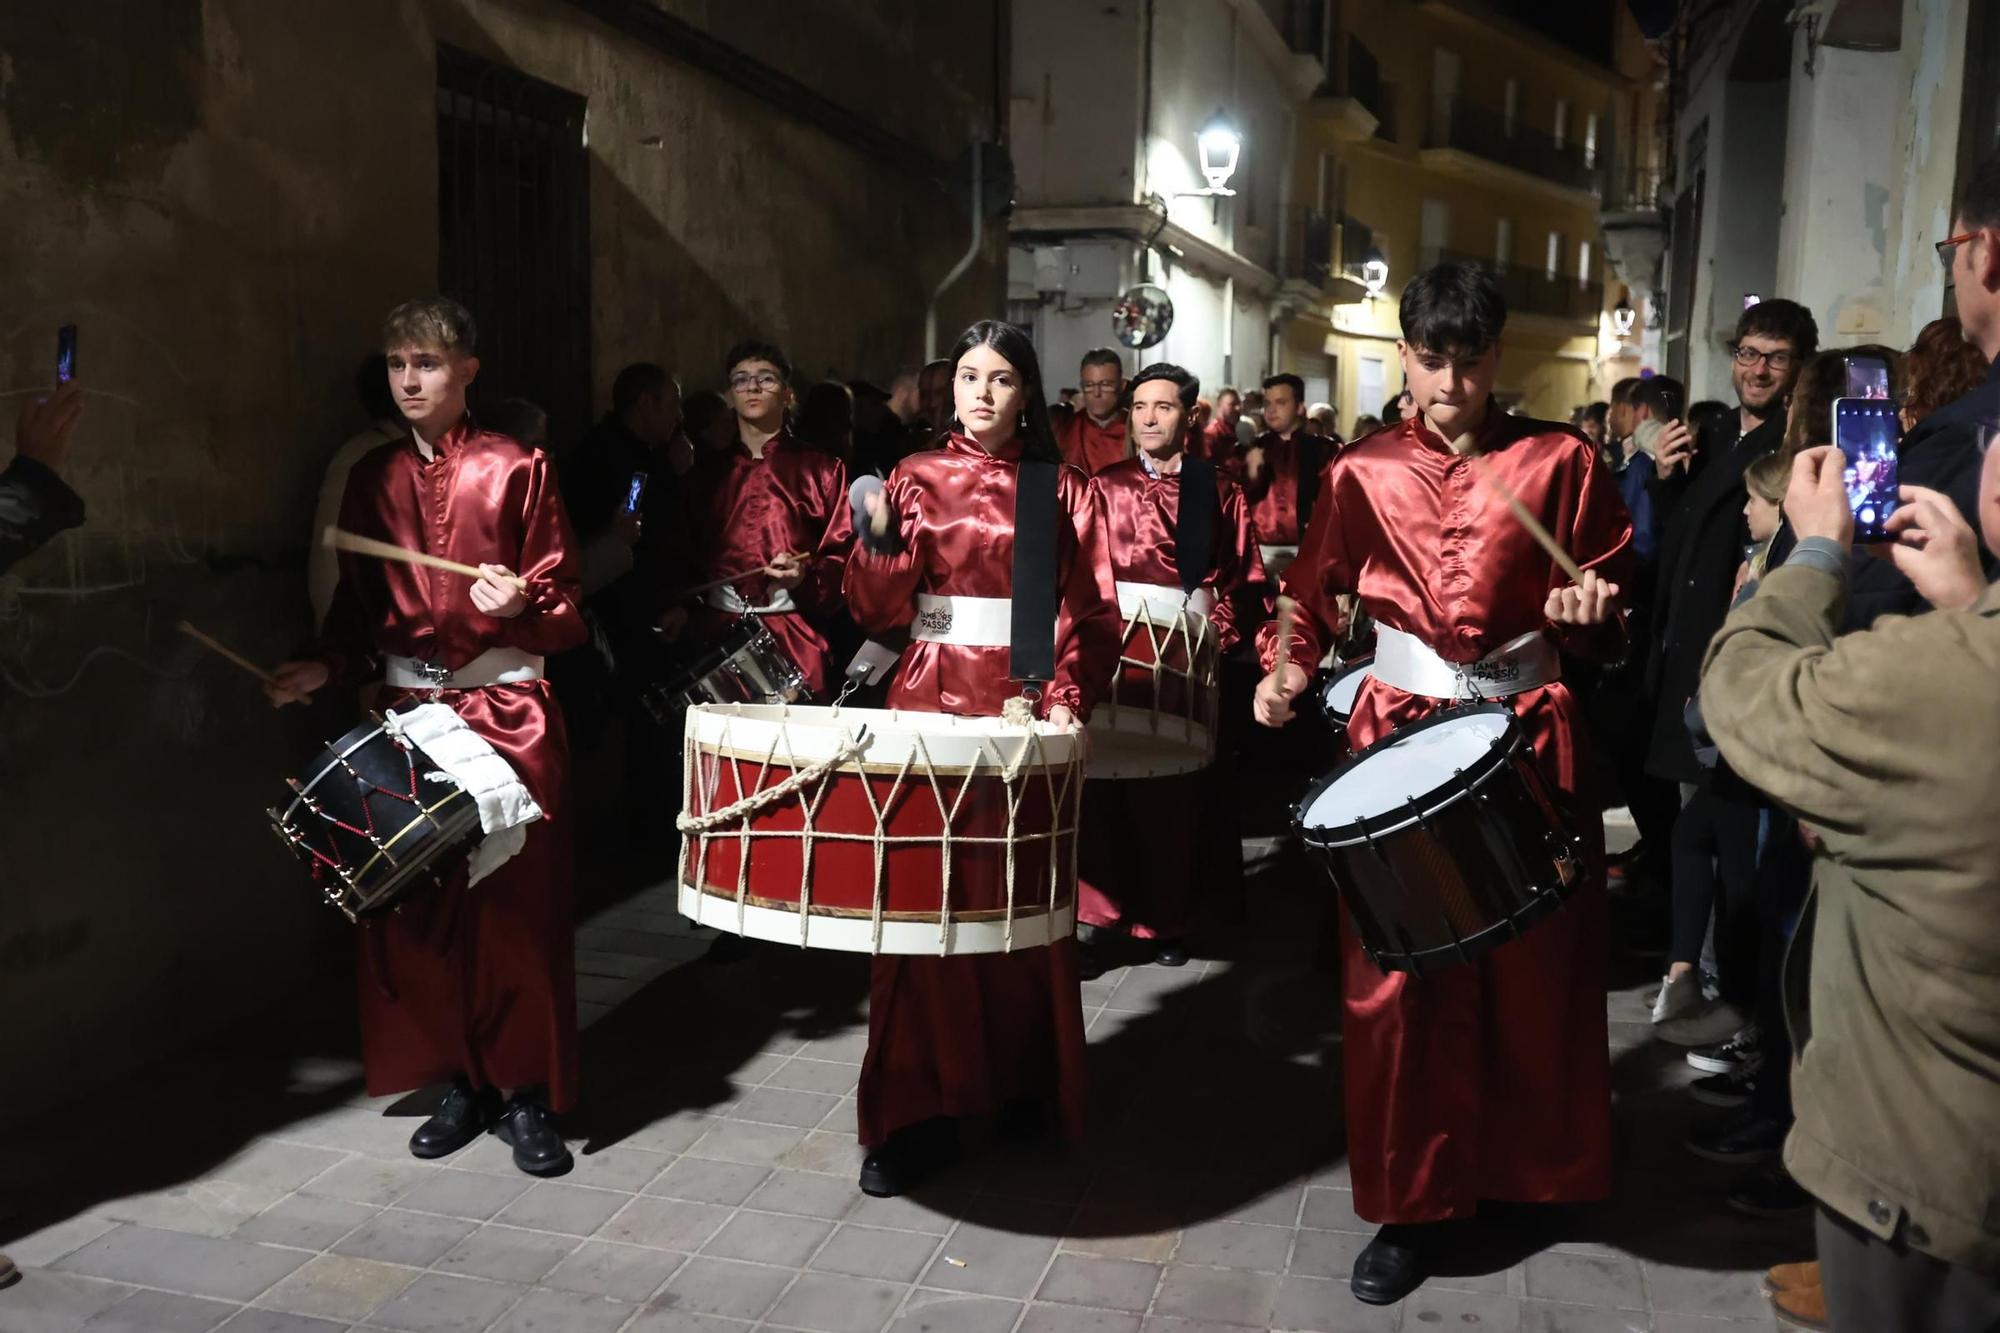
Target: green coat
(1886, 742)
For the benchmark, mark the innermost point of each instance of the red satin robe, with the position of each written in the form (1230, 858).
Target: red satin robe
(1158, 857)
(1218, 441)
(1089, 446)
(1490, 1079)
(744, 511)
(968, 1034)
(478, 982)
(1274, 495)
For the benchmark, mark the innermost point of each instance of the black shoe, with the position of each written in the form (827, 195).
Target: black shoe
(1090, 964)
(912, 1153)
(460, 1118)
(1742, 1053)
(1725, 1091)
(1770, 1193)
(1388, 1268)
(529, 1127)
(1172, 953)
(1740, 1139)
(728, 949)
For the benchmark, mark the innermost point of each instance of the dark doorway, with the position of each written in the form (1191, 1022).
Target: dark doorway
(514, 232)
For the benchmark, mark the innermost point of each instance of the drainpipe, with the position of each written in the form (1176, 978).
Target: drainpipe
(978, 210)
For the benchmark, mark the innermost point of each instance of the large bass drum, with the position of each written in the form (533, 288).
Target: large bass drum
(1442, 839)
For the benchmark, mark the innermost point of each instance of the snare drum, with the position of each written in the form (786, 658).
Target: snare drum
(1159, 719)
(879, 831)
(744, 665)
(1442, 839)
(1339, 691)
(375, 816)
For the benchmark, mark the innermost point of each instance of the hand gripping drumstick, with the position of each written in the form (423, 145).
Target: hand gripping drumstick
(341, 540)
(227, 652)
(1287, 608)
(713, 584)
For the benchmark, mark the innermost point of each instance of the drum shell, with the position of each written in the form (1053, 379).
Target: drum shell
(973, 878)
(366, 780)
(1474, 871)
(745, 665)
(1159, 719)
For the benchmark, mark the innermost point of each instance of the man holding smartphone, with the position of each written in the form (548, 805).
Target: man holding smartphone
(35, 502)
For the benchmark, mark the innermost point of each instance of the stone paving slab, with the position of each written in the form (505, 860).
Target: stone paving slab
(714, 1190)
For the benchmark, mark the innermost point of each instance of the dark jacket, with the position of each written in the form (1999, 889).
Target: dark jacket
(35, 504)
(1699, 554)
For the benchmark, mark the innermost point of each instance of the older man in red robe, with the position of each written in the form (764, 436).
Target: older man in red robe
(1093, 438)
(772, 511)
(1153, 878)
(1489, 1080)
(1279, 472)
(473, 985)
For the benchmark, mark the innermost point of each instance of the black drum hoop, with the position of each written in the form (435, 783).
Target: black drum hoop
(1462, 782)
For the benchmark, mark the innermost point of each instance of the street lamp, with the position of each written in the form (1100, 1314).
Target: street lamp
(1623, 316)
(1375, 271)
(1220, 146)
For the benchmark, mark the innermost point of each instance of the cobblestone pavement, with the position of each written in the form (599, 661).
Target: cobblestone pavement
(254, 1189)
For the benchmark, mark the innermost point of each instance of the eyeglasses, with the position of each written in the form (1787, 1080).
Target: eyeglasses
(747, 383)
(1750, 356)
(1100, 386)
(1946, 247)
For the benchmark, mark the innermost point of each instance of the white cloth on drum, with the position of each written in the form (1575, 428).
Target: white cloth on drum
(1276, 558)
(1408, 663)
(726, 598)
(1164, 601)
(505, 807)
(969, 622)
(495, 666)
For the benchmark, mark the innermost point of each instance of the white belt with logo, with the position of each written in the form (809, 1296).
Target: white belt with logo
(726, 598)
(1163, 602)
(495, 666)
(1276, 558)
(1407, 663)
(969, 622)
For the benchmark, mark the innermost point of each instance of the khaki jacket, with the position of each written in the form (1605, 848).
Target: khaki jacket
(1887, 742)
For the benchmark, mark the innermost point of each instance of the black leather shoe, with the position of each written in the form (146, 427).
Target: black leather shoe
(1742, 1138)
(912, 1153)
(460, 1118)
(529, 1127)
(1172, 953)
(1388, 1268)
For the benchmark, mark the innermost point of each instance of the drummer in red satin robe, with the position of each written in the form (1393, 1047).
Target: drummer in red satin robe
(773, 509)
(1093, 437)
(1488, 1080)
(1217, 442)
(1279, 472)
(977, 1033)
(472, 985)
(1184, 870)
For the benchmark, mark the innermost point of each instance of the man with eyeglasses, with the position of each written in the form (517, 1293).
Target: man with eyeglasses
(1698, 487)
(1094, 438)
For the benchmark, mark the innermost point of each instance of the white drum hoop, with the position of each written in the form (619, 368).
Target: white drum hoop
(939, 752)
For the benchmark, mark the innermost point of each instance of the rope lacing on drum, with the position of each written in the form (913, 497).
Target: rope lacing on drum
(1189, 628)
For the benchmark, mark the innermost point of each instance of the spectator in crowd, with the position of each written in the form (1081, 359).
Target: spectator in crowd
(1894, 769)
(1220, 442)
(1940, 368)
(1250, 422)
(826, 419)
(1366, 425)
(1653, 408)
(519, 419)
(636, 435)
(1322, 420)
(1710, 418)
(1618, 417)
(1400, 408)
(934, 399)
(1595, 424)
(708, 423)
(35, 502)
(385, 423)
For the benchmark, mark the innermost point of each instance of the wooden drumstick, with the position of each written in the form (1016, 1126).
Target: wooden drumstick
(225, 651)
(341, 540)
(1522, 515)
(713, 584)
(1287, 608)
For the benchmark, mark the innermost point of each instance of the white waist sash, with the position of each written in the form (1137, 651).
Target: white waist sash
(1407, 663)
(969, 622)
(1276, 558)
(495, 666)
(1163, 602)
(726, 598)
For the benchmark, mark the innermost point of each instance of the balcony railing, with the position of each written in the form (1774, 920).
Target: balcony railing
(1357, 238)
(1484, 132)
(1533, 291)
(1309, 254)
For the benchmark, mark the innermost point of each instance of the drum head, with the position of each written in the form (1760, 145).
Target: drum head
(1344, 688)
(1413, 769)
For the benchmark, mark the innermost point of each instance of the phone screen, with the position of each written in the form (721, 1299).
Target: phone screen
(1867, 433)
(635, 493)
(1867, 377)
(65, 354)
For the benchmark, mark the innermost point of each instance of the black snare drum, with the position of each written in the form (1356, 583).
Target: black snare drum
(1441, 838)
(373, 817)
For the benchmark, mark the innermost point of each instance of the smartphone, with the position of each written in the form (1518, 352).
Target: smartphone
(1867, 377)
(635, 493)
(1867, 433)
(65, 354)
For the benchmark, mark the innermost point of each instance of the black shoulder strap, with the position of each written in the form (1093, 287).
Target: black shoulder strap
(1312, 457)
(1036, 590)
(1194, 526)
